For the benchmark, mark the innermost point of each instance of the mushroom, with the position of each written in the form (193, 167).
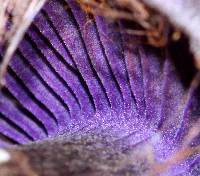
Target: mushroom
(83, 97)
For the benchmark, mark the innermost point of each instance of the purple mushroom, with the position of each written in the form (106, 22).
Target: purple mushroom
(75, 76)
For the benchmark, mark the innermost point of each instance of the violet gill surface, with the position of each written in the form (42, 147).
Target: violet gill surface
(78, 74)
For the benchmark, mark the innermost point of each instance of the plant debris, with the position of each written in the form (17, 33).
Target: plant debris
(153, 25)
(15, 17)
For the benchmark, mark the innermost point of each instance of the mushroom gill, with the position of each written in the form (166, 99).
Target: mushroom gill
(78, 80)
